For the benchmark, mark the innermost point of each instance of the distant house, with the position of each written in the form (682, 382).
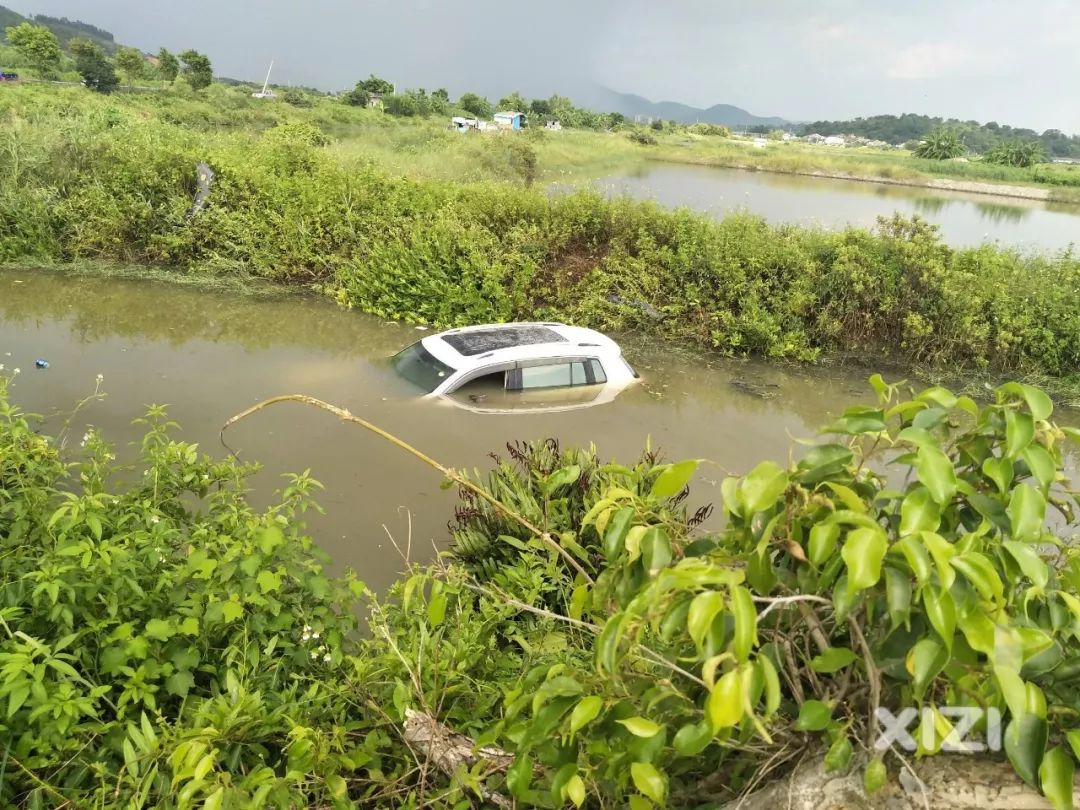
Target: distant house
(374, 100)
(463, 125)
(834, 140)
(555, 125)
(510, 120)
(815, 138)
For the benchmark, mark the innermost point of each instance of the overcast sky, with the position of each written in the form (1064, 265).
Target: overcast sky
(1005, 60)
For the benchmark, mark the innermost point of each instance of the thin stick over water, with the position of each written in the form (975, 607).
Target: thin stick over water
(448, 472)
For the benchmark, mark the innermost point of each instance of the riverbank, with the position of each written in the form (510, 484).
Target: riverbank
(115, 185)
(1047, 182)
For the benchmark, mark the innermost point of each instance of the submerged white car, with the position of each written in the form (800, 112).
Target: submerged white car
(498, 368)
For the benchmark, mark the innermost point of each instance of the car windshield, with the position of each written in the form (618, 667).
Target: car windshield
(420, 367)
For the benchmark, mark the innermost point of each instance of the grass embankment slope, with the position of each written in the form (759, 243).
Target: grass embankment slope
(113, 179)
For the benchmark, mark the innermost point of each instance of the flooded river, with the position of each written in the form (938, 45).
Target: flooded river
(210, 355)
(965, 219)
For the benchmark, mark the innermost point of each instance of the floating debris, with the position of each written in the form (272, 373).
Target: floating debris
(756, 389)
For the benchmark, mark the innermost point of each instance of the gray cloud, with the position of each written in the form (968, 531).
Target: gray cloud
(982, 59)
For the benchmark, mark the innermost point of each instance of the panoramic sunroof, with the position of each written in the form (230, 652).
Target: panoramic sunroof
(479, 341)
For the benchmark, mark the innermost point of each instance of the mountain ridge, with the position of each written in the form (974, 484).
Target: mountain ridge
(631, 105)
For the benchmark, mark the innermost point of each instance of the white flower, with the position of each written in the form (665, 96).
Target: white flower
(1, 366)
(307, 628)
(322, 648)
(154, 518)
(326, 657)
(16, 371)
(315, 634)
(100, 377)
(314, 655)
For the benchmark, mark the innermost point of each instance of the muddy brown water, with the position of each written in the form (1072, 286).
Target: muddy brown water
(965, 219)
(209, 355)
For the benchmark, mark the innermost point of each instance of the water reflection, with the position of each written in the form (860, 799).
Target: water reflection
(964, 218)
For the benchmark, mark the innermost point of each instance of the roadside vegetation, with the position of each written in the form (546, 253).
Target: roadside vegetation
(163, 644)
(88, 178)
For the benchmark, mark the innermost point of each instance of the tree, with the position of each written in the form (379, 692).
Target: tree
(37, 45)
(197, 69)
(168, 65)
(477, 105)
(376, 86)
(130, 62)
(540, 107)
(1015, 152)
(515, 102)
(358, 96)
(94, 67)
(440, 100)
(442, 95)
(941, 144)
(401, 105)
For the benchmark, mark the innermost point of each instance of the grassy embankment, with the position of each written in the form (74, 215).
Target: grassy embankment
(87, 178)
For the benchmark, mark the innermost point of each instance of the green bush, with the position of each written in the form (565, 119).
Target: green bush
(162, 644)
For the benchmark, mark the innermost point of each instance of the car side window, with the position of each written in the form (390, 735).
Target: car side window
(556, 375)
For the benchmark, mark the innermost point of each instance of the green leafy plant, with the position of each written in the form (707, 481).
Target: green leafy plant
(940, 144)
(1015, 152)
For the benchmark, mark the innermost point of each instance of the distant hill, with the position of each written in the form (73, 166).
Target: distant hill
(65, 29)
(631, 105)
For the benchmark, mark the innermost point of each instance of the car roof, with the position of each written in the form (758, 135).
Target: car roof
(488, 344)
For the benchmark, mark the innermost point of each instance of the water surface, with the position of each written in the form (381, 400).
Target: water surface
(965, 219)
(211, 355)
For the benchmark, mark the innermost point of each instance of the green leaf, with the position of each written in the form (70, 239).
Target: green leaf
(95, 526)
(179, 683)
(190, 626)
(1013, 689)
(269, 538)
(919, 512)
(858, 419)
(16, 698)
(519, 776)
(231, 611)
(586, 710)
(823, 461)
(268, 581)
(874, 776)
(563, 477)
(942, 551)
(1074, 742)
(1019, 431)
(832, 660)
(936, 473)
(671, 481)
(575, 790)
(655, 550)
(1031, 563)
(640, 726)
(615, 536)
(692, 739)
(897, 595)
(649, 781)
(1037, 401)
(917, 557)
(925, 660)
(724, 706)
(1042, 466)
(771, 680)
(838, 757)
(761, 488)
(813, 716)
(980, 572)
(1000, 471)
(1056, 778)
(1025, 743)
(863, 551)
(703, 610)
(744, 613)
(159, 629)
(1026, 510)
(823, 537)
(941, 611)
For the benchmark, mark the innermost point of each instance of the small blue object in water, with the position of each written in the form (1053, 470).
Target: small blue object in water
(41, 363)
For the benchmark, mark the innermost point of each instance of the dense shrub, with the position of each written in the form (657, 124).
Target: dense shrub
(104, 182)
(162, 644)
